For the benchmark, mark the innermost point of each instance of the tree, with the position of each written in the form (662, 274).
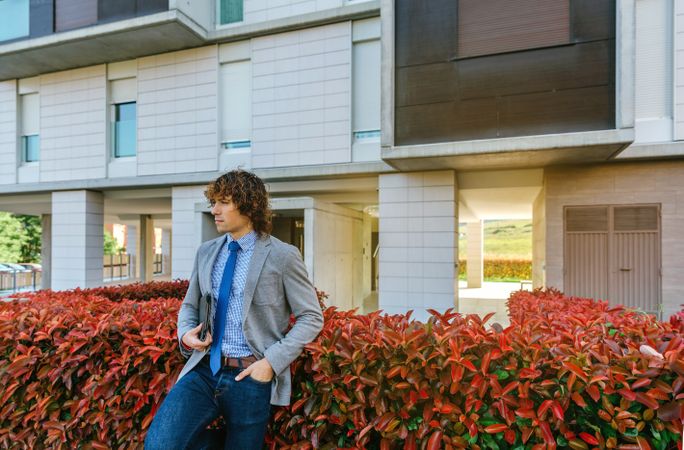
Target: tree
(31, 238)
(20, 238)
(11, 234)
(111, 246)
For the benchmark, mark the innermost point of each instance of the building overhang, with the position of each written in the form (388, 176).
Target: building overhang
(116, 41)
(511, 153)
(150, 35)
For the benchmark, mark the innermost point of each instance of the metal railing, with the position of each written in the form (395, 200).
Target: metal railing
(116, 266)
(15, 280)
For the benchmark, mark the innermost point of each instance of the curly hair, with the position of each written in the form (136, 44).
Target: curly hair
(249, 194)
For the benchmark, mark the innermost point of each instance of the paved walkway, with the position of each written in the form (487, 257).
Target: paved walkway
(491, 297)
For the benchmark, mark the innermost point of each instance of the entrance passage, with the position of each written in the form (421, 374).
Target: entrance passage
(613, 252)
(288, 226)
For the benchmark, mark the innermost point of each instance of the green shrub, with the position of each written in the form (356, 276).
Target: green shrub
(501, 269)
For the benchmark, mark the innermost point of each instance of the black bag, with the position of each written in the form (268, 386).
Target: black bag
(206, 302)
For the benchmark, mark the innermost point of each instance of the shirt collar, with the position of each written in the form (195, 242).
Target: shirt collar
(246, 242)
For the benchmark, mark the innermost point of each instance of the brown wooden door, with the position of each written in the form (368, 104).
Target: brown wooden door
(613, 253)
(635, 259)
(586, 252)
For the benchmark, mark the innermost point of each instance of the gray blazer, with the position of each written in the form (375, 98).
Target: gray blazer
(277, 284)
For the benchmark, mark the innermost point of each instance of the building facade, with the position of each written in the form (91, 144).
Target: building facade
(379, 126)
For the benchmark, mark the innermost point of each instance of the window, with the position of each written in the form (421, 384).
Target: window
(30, 127)
(230, 11)
(124, 129)
(14, 19)
(498, 26)
(30, 147)
(236, 104)
(366, 90)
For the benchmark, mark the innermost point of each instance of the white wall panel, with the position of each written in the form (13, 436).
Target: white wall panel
(73, 124)
(177, 112)
(418, 246)
(654, 87)
(236, 101)
(679, 69)
(302, 97)
(8, 132)
(30, 114)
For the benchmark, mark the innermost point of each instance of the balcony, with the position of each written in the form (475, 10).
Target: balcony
(65, 34)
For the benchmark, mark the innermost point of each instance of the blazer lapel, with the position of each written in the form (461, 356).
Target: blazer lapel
(262, 247)
(207, 265)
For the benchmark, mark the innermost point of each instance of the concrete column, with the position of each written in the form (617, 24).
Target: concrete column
(46, 251)
(333, 248)
(418, 242)
(146, 248)
(539, 240)
(132, 242)
(166, 251)
(77, 239)
(475, 253)
(188, 205)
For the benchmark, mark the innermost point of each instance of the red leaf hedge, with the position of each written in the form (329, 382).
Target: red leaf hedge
(80, 369)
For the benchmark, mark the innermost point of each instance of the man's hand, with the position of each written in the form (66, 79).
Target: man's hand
(191, 339)
(260, 371)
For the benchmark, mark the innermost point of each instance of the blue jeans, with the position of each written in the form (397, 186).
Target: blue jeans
(199, 398)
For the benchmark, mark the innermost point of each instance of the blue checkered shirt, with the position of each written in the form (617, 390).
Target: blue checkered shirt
(234, 343)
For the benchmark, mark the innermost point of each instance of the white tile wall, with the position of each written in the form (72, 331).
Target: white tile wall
(186, 235)
(302, 97)
(261, 10)
(8, 132)
(73, 124)
(655, 182)
(653, 76)
(77, 239)
(177, 112)
(418, 249)
(679, 70)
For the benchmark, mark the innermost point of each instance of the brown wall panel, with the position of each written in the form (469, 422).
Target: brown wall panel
(566, 67)
(493, 26)
(440, 97)
(425, 31)
(71, 14)
(442, 122)
(428, 83)
(592, 20)
(557, 112)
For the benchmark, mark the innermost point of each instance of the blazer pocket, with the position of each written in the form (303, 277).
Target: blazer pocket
(269, 290)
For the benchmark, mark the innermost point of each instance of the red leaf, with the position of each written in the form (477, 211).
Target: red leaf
(557, 410)
(579, 400)
(646, 400)
(588, 438)
(435, 440)
(576, 370)
(496, 428)
(548, 435)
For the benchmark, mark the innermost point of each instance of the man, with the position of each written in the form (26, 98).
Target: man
(244, 285)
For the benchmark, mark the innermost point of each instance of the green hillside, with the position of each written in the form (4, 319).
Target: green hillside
(503, 239)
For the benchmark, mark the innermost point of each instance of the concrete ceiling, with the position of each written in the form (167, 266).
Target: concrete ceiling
(502, 194)
(514, 152)
(99, 44)
(483, 195)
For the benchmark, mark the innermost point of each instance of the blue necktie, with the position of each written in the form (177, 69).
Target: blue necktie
(222, 308)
